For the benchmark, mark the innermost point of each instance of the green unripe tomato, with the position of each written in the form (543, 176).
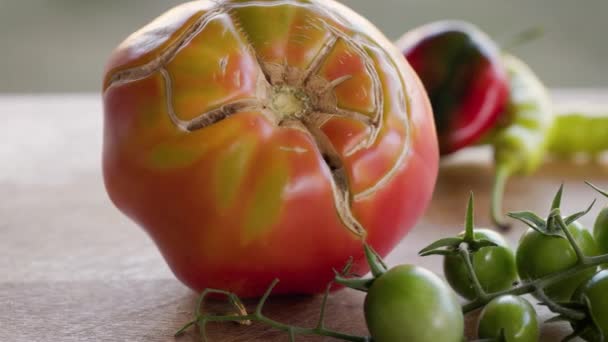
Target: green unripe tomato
(494, 266)
(410, 303)
(596, 291)
(512, 314)
(600, 230)
(539, 255)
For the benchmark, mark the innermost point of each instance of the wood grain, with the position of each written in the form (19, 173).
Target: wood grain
(72, 268)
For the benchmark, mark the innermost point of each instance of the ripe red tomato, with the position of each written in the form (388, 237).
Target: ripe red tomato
(262, 139)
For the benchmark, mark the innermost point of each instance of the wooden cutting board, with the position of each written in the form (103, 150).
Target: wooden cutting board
(72, 268)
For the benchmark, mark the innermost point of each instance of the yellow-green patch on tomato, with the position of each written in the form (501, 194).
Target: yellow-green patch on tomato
(231, 169)
(265, 205)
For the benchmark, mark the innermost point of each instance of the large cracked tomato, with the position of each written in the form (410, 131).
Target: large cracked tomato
(256, 140)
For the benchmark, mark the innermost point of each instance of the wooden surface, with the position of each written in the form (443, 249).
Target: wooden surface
(72, 268)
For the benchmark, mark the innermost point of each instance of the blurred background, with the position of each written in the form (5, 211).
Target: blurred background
(62, 45)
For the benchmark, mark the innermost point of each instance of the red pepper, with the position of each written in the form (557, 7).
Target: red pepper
(461, 70)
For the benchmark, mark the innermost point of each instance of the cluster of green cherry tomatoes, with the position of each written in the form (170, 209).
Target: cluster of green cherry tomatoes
(557, 261)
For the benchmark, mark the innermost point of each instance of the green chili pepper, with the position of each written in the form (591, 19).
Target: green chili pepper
(533, 130)
(520, 146)
(577, 132)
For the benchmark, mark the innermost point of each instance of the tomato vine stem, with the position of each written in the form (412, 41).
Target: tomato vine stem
(556, 308)
(466, 256)
(581, 258)
(257, 315)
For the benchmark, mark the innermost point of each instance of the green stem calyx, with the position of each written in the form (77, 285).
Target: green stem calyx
(550, 226)
(452, 245)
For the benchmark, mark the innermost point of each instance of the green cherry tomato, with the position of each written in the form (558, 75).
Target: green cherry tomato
(410, 303)
(511, 314)
(596, 292)
(539, 255)
(494, 266)
(600, 230)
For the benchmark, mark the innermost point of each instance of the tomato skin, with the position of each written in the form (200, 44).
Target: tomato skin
(595, 290)
(243, 201)
(461, 69)
(600, 230)
(494, 266)
(539, 255)
(513, 314)
(410, 303)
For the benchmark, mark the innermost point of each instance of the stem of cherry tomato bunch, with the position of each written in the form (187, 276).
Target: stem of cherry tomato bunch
(242, 317)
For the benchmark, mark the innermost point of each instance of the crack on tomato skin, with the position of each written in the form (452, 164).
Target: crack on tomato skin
(228, 9)
(221, 113)
(139, 72)
(319, 59)
(406, 147)
(378, 96)
(339, 180)
(319, 118)
(355, 116)
(168, 83)
(207, 118)
(333, 84)
(387, 177)
(342, 196)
